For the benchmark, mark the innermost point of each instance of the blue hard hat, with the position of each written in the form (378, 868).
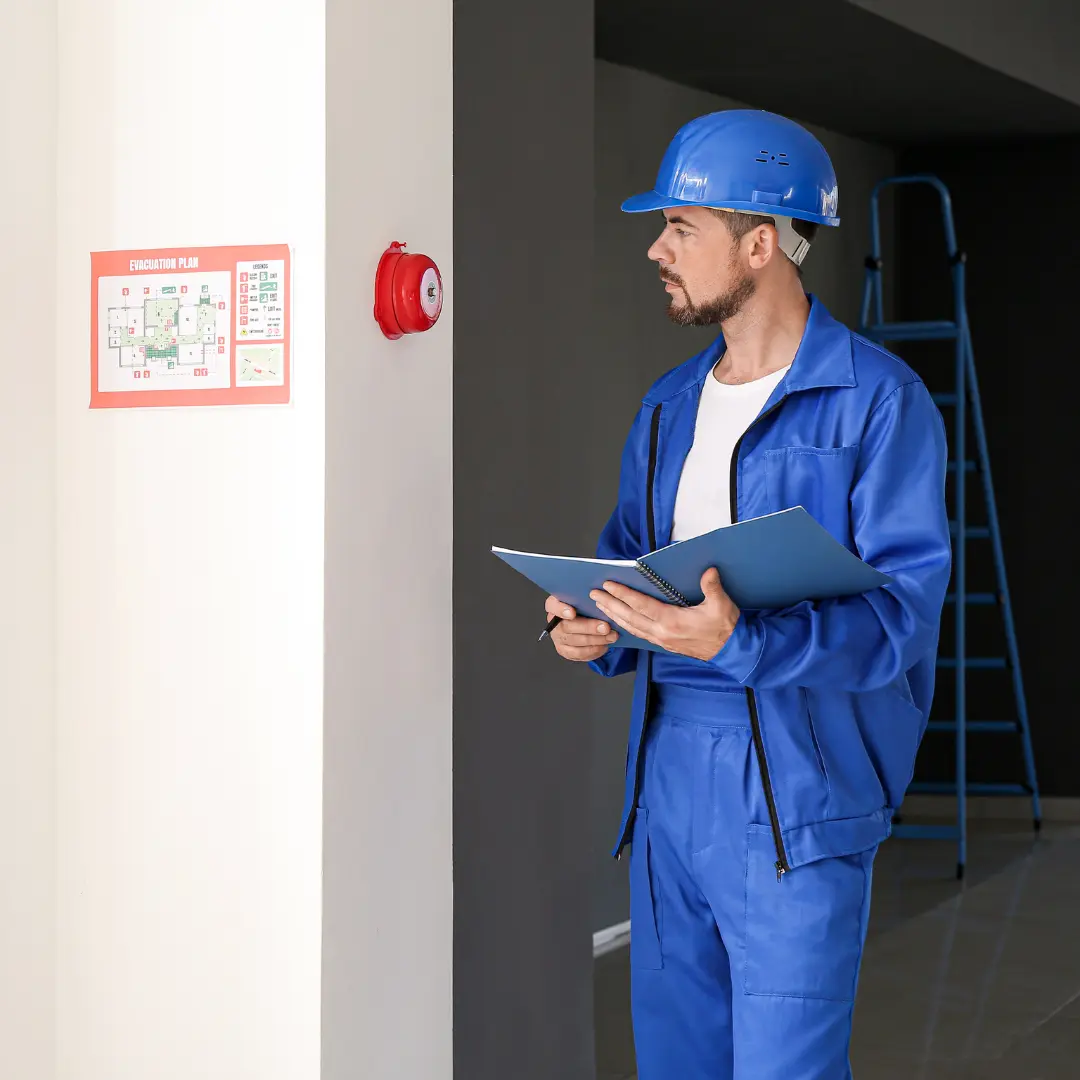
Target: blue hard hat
(745, 159)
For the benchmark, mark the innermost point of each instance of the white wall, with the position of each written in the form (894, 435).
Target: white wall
(189, 566)
(161, 722)
(388, 907)
(27, 538)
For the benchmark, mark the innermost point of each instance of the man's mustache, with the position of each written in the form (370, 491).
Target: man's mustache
(672, 279)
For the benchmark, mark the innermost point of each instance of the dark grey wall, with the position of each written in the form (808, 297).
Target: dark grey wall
(636, 116)
(1035, 41)
(527, 391)
(850, 69)
(1022, 286)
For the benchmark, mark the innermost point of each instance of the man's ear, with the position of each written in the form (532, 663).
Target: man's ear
(764, 245)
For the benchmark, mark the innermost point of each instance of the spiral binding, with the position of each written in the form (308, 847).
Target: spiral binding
(665, 587)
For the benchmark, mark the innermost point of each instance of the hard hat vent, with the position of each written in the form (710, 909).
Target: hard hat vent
(765, 157)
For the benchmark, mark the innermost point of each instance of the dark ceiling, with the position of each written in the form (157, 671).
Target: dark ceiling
(830, 63)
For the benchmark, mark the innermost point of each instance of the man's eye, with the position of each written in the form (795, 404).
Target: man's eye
(682, 232)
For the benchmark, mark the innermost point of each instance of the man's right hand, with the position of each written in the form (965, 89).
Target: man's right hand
(576, 638)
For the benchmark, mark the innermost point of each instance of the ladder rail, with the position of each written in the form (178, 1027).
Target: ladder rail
(994, 522)
(966, 395)
(872, 288)
(960, 568)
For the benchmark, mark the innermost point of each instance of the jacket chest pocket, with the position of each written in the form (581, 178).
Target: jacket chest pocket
(817, 478)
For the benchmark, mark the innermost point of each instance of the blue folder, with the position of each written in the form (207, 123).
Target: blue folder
(765, 563)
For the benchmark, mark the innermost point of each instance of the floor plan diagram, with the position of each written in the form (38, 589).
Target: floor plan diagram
(166, 332)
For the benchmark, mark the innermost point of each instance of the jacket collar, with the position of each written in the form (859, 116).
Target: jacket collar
(824, 358)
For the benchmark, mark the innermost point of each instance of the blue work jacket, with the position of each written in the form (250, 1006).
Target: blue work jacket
(838, 691)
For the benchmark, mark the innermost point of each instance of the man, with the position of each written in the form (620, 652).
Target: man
(768, 749)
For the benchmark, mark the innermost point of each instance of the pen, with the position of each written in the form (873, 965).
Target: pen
(552, 623)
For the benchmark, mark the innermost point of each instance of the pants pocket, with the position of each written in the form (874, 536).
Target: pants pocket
(645, 910)
(804, 934)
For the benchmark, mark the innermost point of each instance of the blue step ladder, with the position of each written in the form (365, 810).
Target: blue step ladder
(963, 400)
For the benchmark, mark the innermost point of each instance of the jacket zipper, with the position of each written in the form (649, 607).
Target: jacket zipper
(654, 443)
(782, 865)
(650, 521)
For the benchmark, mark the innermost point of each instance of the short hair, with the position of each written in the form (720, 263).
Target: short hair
(740, 224)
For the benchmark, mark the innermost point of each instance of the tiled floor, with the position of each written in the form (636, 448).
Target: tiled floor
(979, 981)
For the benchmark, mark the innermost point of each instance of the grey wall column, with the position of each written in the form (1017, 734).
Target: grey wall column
(387, 888)
(526, 390)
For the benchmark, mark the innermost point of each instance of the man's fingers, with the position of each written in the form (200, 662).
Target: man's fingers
(555, 606)
(622, 614)
(591, 640)
(644, 605)
(580, 626)
(573, 652)
(583, 628)
(629, 620)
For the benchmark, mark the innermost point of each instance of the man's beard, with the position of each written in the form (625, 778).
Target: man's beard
(712, 312)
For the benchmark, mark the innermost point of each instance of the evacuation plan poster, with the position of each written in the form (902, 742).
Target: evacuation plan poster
(190, 326)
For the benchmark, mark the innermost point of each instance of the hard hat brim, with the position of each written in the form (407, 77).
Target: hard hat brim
(656, 200)
(650, 200)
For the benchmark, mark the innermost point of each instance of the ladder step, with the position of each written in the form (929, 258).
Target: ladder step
(944, 788)
(973, 532)
(982, 726)
(926, 832)
(912, 331)
(956, 395)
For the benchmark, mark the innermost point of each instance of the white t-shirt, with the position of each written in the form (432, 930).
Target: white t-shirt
(725, 411)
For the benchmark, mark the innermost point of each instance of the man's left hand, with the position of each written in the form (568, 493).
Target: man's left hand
(700, 632)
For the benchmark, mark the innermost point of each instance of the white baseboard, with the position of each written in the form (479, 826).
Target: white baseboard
(611, 938)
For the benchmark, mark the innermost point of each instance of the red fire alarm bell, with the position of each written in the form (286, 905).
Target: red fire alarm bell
(408, 293)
